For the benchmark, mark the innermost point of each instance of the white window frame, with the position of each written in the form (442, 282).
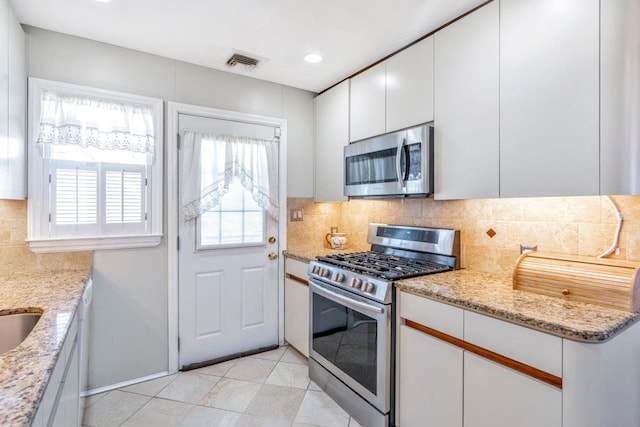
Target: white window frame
(38, 211)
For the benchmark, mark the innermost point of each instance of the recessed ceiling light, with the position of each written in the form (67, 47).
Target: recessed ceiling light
(103, 1)
(313, 58)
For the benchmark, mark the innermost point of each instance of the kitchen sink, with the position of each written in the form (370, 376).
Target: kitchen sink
(14, 328)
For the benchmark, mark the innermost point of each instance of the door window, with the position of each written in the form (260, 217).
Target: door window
(236, 221)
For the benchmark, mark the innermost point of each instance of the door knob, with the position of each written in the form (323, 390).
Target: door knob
(272, 240)
(273, 256)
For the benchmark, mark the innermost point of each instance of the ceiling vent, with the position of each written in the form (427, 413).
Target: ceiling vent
(245, 60)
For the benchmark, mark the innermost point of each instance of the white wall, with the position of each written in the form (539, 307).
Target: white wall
(129, 325)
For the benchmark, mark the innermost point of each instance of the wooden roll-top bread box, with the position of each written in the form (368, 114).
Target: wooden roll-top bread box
(608, 282)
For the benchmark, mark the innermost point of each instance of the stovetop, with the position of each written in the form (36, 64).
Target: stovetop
(385, 266)
(397, 252)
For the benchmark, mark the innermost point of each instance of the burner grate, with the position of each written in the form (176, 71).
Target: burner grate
(384, 265)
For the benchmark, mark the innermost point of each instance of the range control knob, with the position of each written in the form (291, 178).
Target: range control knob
(315, 269)
(356, 283)
(370, 288)
(324, 272)
(338, 277)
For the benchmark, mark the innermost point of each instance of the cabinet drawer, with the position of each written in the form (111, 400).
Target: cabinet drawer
(533, 348)
(432, 314)
(296, 268)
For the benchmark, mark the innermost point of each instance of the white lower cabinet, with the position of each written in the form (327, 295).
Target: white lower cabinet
(429, 381)
(60, 403)
(500, 397)
(460, 368)
(296, 305)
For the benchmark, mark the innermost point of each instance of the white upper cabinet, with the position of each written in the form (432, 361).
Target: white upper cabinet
(331, 135)
(13, 92)
(549, 97)
(394, 94)
(467, 115)
(619, 97)
(409, 86)
(368, 103)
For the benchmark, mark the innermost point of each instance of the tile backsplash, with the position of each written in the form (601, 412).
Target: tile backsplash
(570, 225)
(15, 255)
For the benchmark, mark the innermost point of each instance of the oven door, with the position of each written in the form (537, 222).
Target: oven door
(350, 336)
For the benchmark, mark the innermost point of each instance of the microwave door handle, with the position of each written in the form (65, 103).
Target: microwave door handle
(399, 174)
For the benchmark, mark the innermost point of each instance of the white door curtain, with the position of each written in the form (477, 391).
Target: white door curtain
(210, 162)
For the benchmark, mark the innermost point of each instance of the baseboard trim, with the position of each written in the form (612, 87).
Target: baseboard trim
(124, 384)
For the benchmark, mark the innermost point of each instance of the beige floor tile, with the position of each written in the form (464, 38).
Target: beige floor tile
(251, 369)
(113, 409)
(289, 375)
(259, 421)
(317, 408)
(276, 402)
(353, 423)
(219, 369)
(189, 387)
(199, 416)
(159, 413)
(293, 356)
(314, 387)
(152, 387)
(93, 398)
(274, 354)
(232, 395)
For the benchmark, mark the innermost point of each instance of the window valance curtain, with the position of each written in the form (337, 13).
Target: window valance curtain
(99, 123)
(210, 162)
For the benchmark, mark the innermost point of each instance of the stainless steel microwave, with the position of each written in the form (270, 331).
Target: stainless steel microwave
(398, 164)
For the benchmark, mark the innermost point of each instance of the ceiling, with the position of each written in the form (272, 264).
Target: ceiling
(349, 34)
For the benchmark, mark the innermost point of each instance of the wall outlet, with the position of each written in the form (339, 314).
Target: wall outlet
(295, 214)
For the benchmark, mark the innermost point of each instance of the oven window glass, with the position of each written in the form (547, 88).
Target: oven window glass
(346, 338)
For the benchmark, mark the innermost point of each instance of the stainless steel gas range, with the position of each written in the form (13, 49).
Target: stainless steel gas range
(352, 320)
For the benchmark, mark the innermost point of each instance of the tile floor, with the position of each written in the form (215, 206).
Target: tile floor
(270, 389)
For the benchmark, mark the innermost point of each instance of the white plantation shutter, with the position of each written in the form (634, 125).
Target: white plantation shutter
(97, 198)
(125, 196)
(75, 200)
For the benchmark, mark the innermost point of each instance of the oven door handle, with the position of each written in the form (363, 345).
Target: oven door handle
(346, 300)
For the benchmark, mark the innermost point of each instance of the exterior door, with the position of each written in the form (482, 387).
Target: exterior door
(228, 271)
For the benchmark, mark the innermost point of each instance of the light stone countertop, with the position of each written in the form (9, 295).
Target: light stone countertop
(493, 295)
(25, 370)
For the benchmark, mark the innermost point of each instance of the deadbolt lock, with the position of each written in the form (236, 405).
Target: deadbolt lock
(273, 256)
(272, 240)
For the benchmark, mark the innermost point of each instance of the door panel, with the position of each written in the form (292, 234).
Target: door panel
(252, 297)
(208, 319)
(228, 286)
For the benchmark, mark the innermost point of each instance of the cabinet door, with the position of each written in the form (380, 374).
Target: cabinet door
(67, 412)
(331, 135)
(367, 105)
(15, 186)
(296, 315)
(500, 397)
(467, 150)
(549, 97)
(409, 84)
(429, 381)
